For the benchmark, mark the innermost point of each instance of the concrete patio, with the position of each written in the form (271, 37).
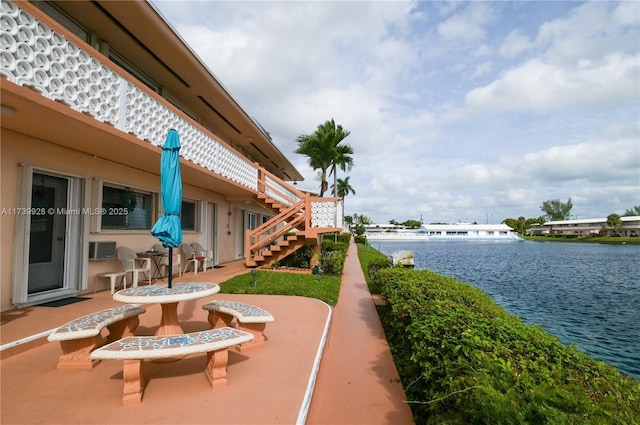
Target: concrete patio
(319, 366)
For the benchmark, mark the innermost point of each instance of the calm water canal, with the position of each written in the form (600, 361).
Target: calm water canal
(585, 294)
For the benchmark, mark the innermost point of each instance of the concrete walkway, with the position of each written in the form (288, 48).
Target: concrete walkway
(358, 382)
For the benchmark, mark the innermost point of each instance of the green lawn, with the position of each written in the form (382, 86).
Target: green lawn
(325, 288)
(607, 240)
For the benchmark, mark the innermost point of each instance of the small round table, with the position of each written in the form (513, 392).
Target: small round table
(156, 258)
(168, 298)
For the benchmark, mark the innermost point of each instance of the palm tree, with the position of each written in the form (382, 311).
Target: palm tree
(614, 221)
(324, 150)
(343, 160)
(633, 211)
(343, 188)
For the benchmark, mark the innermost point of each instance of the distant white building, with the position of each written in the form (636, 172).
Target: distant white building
(456, 231)
(470, 231)
(586, 227)
(393, 232)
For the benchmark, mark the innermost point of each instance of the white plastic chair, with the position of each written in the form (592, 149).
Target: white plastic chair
(112, 276)
(204, 256)
(190, 257)
(164, 262)
(131, 263)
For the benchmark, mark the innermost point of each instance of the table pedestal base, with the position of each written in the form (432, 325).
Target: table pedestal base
(169, 325)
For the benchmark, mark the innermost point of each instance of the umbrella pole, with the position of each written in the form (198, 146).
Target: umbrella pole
(170, 265)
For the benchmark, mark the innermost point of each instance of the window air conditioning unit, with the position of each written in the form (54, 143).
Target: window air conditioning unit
(102, 250)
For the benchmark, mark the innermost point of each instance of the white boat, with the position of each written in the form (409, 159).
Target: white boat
(402, 258)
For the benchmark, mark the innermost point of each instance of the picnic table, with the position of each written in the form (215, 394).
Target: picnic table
(168, 298)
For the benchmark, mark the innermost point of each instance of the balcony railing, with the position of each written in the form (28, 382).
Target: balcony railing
(34, 55)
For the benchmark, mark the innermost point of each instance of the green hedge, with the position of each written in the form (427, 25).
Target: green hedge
(368, 255)
(333, 254)
(464, 360)
(373, 269)
(339, 237)
(360, 239)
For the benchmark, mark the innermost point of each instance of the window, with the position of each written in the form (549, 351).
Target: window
(140, 76)
(62, 18)
(251, 221)
(188, 215)
(126, 209)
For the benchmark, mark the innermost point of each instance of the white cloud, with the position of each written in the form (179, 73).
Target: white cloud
(468, 24)
(514, 44)
(611, 161)
(627, 13)
(482, 69)
(591, 56)
(591, 31)
(542, 87)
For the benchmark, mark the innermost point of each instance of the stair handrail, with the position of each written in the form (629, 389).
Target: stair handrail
(272, 237)
(279, 218)
(275, 188)
(291, 218)
(263, 243)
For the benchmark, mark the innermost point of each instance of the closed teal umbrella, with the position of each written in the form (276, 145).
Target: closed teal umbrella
(168, 228)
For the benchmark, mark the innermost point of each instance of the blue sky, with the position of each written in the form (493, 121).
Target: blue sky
(458, 111)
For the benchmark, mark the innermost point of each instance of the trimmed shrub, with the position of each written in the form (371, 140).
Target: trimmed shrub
(373, 268)
(367, 254)
(299, 259)
(464, 360)
(330, 245)
(340, 237)
(333, 255)
(344, 238)
(332, 262)
(360, 239)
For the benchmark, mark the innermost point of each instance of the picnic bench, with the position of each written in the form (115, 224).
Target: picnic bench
(79, 337)
(133, 350)
(249, 318)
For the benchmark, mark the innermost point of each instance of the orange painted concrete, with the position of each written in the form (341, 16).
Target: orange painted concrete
(358, 382)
